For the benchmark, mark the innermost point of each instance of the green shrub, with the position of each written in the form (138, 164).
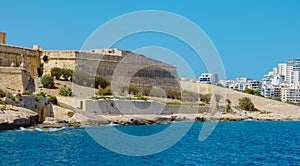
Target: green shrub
(228, 101)
(45, 58)
(252, 92)
(56, 72)
(277, 99)
(228, 109)
(172, 94)
(65, 91)
(67, 74)
(245, 103)
(101, 82)
(19, 96)
(81, 77)
(47, 81)
(173, 103)
(40, 70)
(205, 98)
(104, 92)
(2, 93)
(140, 97)
(146, 91)
(42, 94)
(26, 92)
(133, 90)
(37, 99)
(53, 100)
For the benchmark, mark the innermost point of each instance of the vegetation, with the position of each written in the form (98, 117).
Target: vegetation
(252, 92)
(37, 99)
(229, 109)
(245, 103)
(205, 98)
(2, 93)
(47, 81)
(172, 94)
(45, 58)
(19, 97)
(133, 90)
(81, 77)
(146, 91)
(40, 70)
(26, 92)
(105, 92)
(65, 91)
(277, 99)
(140, 97)
(42, 94)
(58, 73)
(175, 103)
(53, 100)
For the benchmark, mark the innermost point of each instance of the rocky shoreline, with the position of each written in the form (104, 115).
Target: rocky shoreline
(67, 118)
(16, 117)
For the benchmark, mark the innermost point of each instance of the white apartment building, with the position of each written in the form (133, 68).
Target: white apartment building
(209, 78)
(291, 93)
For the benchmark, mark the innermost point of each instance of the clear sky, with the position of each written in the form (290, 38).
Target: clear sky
(252, 36)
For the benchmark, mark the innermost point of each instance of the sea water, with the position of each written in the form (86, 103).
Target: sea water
(231, 143)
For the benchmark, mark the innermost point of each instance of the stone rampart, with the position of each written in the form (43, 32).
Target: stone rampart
(14, 79)
(12, 54)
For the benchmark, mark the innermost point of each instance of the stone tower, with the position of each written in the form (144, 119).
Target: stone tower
(2, 38)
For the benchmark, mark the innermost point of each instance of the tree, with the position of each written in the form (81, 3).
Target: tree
(56, 72)
(67, 73)
(133, 90)
(245, 103)
(47, 81)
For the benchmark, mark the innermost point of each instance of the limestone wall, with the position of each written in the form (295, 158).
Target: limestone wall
(60, 59)
(128, 67)
(13, 78)
(43, 107)
(133, 107)
(12, 54)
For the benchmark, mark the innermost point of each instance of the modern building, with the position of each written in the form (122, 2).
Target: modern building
(290, 93)
(209, 78)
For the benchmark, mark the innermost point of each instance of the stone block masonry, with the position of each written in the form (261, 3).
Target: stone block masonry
(12, 55)
(14, 79)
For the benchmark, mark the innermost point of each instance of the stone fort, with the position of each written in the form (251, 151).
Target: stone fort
(19, 66)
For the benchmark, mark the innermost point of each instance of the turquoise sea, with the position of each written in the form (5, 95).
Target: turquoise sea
(231, 143)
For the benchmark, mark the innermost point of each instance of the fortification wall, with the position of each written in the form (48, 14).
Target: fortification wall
(127, 67)
(131, 107)
(12, 54)
(13, 78)
(59, 58)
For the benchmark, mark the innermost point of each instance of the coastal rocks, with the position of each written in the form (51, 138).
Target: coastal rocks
(65, 117)
(13, 117)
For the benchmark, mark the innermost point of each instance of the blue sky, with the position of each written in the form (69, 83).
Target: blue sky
(252, 37)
